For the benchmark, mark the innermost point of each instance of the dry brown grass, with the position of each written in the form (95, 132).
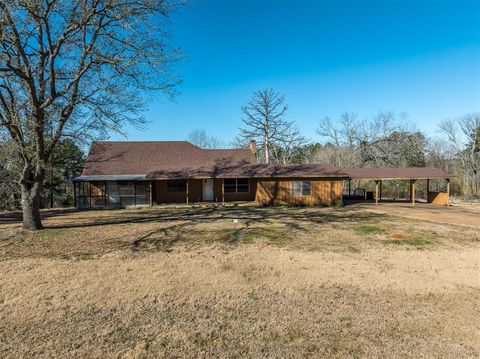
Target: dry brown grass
(282, 282)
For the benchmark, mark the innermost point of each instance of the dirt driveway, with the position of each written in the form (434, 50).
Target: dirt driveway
(427, 212)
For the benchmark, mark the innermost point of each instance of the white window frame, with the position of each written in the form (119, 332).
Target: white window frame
(301, 191)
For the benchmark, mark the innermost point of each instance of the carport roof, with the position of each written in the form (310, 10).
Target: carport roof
(397, 173)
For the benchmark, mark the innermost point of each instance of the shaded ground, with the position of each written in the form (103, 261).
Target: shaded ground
(456, 214)
(239, 282)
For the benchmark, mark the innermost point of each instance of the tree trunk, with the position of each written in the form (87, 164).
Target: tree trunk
(31, 198)
(265, 146)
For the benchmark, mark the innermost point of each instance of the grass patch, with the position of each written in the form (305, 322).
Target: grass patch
(368, 229)
(415, 240)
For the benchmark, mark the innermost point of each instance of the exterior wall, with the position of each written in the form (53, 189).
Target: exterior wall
(235, 197)
(325, 191)
(266, 191)
(195, 192)
(438, 198)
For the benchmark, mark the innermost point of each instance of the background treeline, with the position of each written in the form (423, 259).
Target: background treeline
(65, 163)
(384, 140)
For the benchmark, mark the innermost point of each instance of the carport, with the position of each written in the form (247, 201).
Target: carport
(412, 174)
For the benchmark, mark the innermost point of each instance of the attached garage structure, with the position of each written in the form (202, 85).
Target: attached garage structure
(411, 174)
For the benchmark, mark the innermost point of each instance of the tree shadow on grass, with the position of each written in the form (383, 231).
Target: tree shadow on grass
(291, 220)
(293, 217)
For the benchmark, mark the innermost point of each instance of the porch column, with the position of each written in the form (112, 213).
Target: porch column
(376, 191)
(448, 192)
(186, 193)
(150, 190)
(381, 189)
(413, 186)
(223, 191)
(349, 188)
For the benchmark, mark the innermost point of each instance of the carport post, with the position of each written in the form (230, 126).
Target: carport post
(448, 192)
(428, 190)
(186, 193)
(413, 187)
(381, 190)
(376, 191)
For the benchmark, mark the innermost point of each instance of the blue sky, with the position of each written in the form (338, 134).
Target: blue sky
(326, 57)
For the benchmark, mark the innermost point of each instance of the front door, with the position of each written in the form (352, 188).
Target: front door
(208, 189)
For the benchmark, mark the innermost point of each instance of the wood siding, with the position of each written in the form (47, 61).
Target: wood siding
(268, 191)
(280, 191)
(438, 198)
(195, 192)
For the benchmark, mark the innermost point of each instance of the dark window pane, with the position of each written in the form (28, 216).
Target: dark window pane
(242, 185)
(306, 188)
(176, 186)
(230, 189)
(230, 182)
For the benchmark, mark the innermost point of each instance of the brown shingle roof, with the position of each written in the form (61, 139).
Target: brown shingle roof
(225, 169)
(141, 158)
(180, 159)
(397, 173)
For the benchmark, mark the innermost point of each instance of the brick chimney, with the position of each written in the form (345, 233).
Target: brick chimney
(253, 146)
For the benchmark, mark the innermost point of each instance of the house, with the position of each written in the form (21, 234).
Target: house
(124, 174)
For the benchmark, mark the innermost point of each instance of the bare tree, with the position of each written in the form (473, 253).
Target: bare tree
(202, 139)
(75, 67)
(288, 146)
(463, 134)
(385, 140)
(343, 140)
(264, 119)
(347, 133)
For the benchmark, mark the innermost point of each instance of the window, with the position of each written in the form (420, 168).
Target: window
(177, 186)
(302, 188)
(236, 185)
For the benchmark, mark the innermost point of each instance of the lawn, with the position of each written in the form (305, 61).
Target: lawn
(239, 282)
